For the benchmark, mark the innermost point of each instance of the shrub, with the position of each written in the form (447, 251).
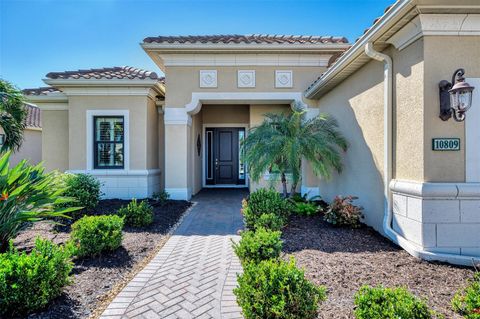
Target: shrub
(92, 235)
(137, 215)
(264, 201)
(269, 221)
(85, 189)
(467, 301)
(305, 208)
(161, 197)
(29, 282)
(343, 213)
(258, 245)
(277, 289)
(27, 195)
(389, 303)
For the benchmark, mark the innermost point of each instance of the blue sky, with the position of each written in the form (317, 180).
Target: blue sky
(39, 36)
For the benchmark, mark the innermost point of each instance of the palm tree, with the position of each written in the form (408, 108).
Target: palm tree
(12, 116)
(283, 140)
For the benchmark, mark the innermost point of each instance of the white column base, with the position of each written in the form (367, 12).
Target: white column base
(179, 193)
(438, 217)
(126, 184)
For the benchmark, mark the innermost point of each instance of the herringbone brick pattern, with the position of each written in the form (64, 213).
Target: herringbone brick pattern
(194, 274)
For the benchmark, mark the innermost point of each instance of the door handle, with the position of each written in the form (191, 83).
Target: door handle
(216, 163)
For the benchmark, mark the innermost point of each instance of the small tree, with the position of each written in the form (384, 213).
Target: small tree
(12, 116)
(283, 140)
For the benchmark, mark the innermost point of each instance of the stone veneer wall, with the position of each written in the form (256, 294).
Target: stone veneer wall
(438, 217)
(127, 184)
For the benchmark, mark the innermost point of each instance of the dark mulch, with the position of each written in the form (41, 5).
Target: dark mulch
(94, 278)
(345, 259)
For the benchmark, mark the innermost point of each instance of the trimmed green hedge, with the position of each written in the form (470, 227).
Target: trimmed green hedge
(277, 289)
(93, 235)
(258, 245)
(137, 215)
(29, 281)
(264, 201)
(389, 303)
(467, 301)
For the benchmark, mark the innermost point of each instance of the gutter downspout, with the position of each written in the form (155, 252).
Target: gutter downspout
(411, 248)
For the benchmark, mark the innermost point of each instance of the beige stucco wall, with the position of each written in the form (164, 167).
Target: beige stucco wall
(55, 135)
(142, 128)
(176, 155)
(443, 55)
(182, 81)
(221, 114)
(196, 158)
(31, 148)
(151, 132)
(357, 104)
(161, 147)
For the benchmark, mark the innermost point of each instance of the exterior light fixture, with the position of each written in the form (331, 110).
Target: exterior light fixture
(455, 97)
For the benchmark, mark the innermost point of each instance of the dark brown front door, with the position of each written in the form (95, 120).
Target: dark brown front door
(222, 160)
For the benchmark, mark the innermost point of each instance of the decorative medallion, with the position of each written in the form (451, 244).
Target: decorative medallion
(283, 79)
(208, 78)
(246, 78)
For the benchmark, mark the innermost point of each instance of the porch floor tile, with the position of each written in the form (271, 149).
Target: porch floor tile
(191, 276)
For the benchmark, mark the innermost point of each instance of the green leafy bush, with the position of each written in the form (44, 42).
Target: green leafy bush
(277, 289)
(342, 212)
(269, 221)
(29, 282)
(389, 303)
(137, 215)
(264, 201)
(27, 195)
(84, 188)
(305, 208)
(161, 197)
(467, 301)
(92, 235)
(258, 245)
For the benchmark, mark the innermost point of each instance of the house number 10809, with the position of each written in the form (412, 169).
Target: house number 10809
(446, 144)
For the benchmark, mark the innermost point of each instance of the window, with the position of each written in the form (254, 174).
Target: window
(241, 164)
(109, 142)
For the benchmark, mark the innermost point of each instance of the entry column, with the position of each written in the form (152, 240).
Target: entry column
(177, 146)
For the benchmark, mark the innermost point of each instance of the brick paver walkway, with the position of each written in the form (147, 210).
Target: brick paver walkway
(194, 274)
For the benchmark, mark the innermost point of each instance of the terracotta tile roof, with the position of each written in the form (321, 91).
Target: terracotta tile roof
(253, 38)
(34, 118)
(118, 72)
(40, 91)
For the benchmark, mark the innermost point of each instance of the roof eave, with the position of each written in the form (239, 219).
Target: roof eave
(56, 97)
(242, 47)
(395, 13)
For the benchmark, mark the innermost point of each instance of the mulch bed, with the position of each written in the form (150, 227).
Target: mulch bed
(97, 280)
(345, 259)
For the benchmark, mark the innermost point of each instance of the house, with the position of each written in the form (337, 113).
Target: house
(416, 174)
(31, 148)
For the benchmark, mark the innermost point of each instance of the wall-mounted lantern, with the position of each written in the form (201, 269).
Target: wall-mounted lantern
(455, 97)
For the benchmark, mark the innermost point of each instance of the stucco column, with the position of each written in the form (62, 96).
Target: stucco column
(177, 145)
(310, 182)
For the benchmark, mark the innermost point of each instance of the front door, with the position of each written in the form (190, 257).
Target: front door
(223, 163)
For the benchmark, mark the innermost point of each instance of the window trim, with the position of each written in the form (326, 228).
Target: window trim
(90, 160)
(96, 142)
